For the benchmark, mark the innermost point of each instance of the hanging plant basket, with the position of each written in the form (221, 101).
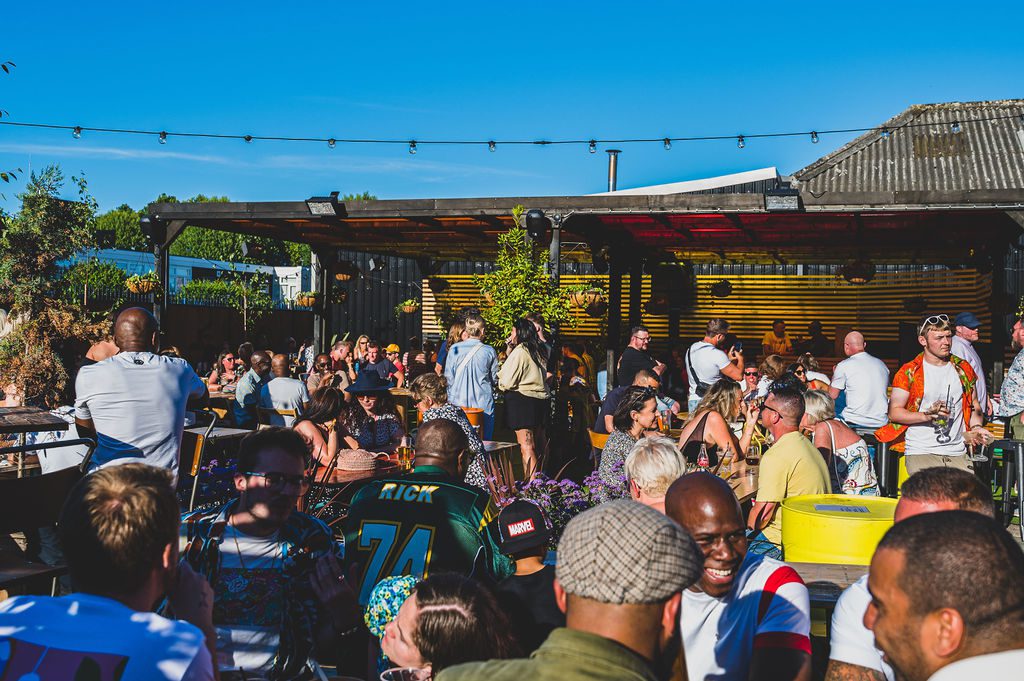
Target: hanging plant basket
(143, 283)
(306, 299)
(345, 271)
(587, 298)
(409, 306)
(410, 309)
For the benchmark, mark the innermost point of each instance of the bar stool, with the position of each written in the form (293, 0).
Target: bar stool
(1012, 474)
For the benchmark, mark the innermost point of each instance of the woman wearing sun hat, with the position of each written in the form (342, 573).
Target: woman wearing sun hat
(372, 423)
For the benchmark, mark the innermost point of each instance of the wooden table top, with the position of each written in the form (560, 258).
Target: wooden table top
(220, 433)
(491, 446)
(826, 582)
(218, 395)
(29, 420)
(340, 477)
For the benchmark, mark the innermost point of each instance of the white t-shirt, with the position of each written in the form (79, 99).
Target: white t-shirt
(58, 458)
(965, 350)
(282, 392)
(136, 401)
(818, 376)
(707, 362)
(852, 642)
(1004, 665)
(939, 383)
(865, 380)
(248, 601)
(768, 607)
(54, 636)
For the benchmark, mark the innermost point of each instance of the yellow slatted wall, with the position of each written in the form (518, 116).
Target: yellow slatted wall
(875, 308)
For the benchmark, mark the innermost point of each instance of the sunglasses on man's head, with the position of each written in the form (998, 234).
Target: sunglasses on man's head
(934, 319)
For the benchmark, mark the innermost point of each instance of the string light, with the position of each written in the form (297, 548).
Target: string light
(412, 147)
(666, 142)
(163, 138)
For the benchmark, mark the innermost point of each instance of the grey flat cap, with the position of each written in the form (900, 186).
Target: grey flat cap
(624, 552)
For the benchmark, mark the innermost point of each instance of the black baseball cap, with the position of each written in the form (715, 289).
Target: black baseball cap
(521, 525)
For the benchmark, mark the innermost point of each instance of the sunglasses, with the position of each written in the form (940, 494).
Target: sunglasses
(321, 364)
(750, 373)
(799, 372)
(765, 406)
(280, 480)
(934, 319)
(229, 358)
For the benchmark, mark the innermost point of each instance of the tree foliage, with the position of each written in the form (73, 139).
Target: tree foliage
(245, 292)
(94, 274)
(7, 176)
(519, 285)
(46, 229)
(123, 222)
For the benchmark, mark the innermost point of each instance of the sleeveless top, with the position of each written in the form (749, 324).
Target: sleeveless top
(691, 448)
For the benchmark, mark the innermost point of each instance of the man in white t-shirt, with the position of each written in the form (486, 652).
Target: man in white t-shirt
(946, 598)
(133, 404)
(933, 404)
(865, 379)
(749, 616)
(119, 530)
(853, 655)
(965, 327)
(705, 363)
(283, 392)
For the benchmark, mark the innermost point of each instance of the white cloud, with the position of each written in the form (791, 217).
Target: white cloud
(81, 150)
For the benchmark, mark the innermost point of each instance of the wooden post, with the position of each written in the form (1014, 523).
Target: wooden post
(636, 282)
(614, 317)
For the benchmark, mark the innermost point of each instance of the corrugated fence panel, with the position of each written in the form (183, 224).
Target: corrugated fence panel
(875, 308)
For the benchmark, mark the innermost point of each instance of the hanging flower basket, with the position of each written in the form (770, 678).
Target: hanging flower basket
(410, 309)
(346, 271)
(143, 283)
(586, 298)
(409, 306)
(306, 299)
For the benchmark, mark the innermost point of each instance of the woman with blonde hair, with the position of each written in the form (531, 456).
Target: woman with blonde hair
(456, 334)
(708, 425)
(652, 466)
(845, 452)
(430, 392)
(359, 352)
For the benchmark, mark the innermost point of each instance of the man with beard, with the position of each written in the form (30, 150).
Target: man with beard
(947, 598)
(620, 599)
(748, 616)
(1011, 399)
(279, 595)
(933, 410)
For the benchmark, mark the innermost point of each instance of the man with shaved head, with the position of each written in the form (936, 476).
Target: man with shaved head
(247, 393)
(283, 392)
(748, 617)
(865, 381)
(134, 403)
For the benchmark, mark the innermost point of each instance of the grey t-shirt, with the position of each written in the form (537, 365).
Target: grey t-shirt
(281, 392)
(137, 401)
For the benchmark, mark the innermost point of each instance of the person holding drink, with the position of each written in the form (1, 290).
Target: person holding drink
(933, 410)
(709, 424)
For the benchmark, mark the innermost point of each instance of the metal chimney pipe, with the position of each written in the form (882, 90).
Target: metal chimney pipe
(613, 168)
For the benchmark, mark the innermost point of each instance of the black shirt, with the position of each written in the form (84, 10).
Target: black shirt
(631, 362)
(608, 407)
(529, 602)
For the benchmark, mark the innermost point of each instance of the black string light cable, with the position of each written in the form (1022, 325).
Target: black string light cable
(162, 136)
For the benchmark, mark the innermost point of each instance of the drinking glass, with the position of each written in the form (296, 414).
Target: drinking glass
(753, 455)
(405, 674)
(406, 453)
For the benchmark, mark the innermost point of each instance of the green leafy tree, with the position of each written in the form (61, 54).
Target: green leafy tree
(46, 229)
(247, 293)
(88, 278)
(519, 285)
(123, 221)
(7, 176)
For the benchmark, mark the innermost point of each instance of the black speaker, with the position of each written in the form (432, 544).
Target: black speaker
(909, 347)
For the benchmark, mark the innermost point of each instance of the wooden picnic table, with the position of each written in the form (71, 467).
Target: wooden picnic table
(23, 420)
(826, 582)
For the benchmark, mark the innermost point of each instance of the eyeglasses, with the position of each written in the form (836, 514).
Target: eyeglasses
(765, 406)
(934, 319)
(642, 338)
(750, 373)
(279, 480)
(798, 372)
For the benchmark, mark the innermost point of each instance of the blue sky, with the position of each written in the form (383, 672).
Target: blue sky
(472, 70)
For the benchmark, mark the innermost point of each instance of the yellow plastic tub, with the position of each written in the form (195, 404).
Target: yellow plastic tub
(834, 528)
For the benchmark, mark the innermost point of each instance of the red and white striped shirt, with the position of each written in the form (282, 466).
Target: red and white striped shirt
(768, 607)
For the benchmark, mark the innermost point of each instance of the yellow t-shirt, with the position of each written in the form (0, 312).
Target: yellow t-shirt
(791, 467)
(776, 345)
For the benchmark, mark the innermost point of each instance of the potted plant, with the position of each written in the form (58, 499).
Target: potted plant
(586, 295)
(408, 306)
(143, 283)
(307, 298)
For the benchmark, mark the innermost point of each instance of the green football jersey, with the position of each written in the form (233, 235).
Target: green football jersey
(419, 524)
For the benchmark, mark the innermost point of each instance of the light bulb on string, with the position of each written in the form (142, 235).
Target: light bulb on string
(331, 143)
(248, 139)
(492, 146)
(77, 132)
(592, 147)
(814, 137)
(412, 147)
(885, 133)
(740, 142)
(954, 127)
(163, 138)
(668, 143)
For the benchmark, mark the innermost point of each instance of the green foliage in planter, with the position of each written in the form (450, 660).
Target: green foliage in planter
(149, 277)
(45, 230)
(93, 275)
(245, 292)
(409, 302)
(520, 285)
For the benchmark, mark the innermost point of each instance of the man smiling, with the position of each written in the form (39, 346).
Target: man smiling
(748, 617)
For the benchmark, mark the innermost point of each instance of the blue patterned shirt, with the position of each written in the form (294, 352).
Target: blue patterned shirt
(1011, 396)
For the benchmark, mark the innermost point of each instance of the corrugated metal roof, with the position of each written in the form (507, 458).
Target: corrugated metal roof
(923, 153)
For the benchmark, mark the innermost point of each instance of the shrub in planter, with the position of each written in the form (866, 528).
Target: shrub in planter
(143, 283)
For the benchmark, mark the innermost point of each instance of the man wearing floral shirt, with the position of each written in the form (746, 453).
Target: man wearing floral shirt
(1011, 398)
